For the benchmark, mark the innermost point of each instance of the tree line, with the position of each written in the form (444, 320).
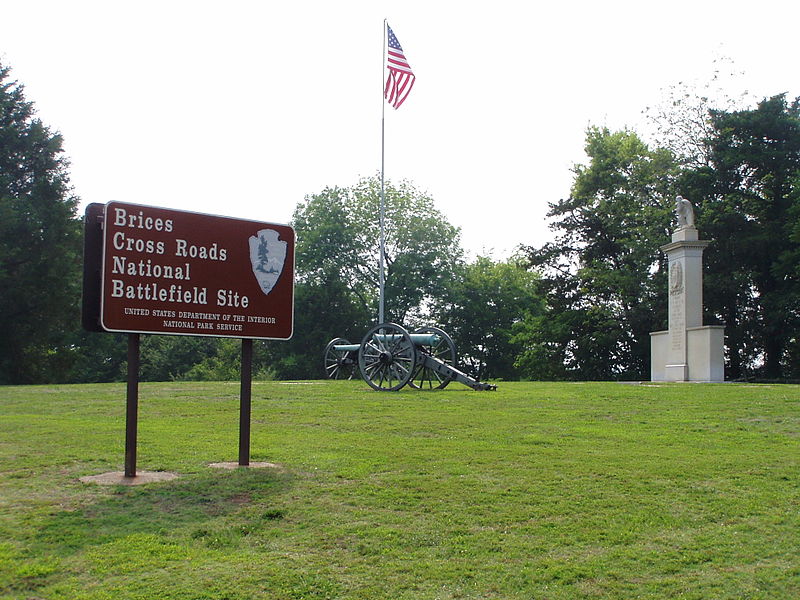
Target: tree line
(578, 307)
(604, 278)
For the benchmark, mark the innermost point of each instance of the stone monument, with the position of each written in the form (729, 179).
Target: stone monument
(688, 350)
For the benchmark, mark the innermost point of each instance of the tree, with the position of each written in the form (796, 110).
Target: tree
(323, 310)
(339, 238)
(480, 311)
(337, 267)
(39, 244)
(681, 122)
(172, 357)
(603, 277)
(96, 357)
(751, 209)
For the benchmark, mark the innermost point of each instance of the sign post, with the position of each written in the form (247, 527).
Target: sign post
(132, 405)
(245, 395)
(175, 272)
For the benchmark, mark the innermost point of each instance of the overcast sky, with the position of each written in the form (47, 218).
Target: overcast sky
(243, 108)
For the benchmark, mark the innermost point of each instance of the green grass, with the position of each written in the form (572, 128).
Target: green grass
(534, 491)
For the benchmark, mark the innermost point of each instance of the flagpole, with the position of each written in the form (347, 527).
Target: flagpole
(383, 198)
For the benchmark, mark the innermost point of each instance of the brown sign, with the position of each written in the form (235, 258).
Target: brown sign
(184, 273)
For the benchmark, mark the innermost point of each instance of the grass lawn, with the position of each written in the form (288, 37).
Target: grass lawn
(537, 490)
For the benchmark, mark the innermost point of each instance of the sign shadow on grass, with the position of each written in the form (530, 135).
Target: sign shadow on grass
(191, 504)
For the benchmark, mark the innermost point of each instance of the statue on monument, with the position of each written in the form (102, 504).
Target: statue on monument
(685, 212)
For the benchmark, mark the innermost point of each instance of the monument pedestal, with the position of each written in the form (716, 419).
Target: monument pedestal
(676, 372)
(705, 355)
(688, 350)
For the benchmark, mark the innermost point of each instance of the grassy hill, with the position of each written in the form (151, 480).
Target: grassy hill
(538, 490)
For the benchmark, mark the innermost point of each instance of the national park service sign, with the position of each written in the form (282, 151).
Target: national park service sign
(184, 273)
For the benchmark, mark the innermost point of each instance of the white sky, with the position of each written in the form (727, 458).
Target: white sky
(243, 108)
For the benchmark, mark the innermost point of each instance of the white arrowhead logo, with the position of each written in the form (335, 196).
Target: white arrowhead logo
(267, 255)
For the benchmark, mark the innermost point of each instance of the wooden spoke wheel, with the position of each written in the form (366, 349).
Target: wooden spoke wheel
(441, 347)
(387, 357)
(339, 364)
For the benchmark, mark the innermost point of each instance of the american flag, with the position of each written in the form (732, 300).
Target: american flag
(400, 79)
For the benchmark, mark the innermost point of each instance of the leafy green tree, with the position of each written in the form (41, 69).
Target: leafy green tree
(338, 272)
(39, 244)
(171, 357)
(96, 357)
(750, 208)
(480, 311)
(602, 276)
(323, 310)
(338, 239)
(222, 363)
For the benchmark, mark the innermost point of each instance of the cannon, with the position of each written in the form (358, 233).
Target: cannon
(389, 357)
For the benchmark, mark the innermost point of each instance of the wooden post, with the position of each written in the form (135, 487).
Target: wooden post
(245, 402)
(132, 408)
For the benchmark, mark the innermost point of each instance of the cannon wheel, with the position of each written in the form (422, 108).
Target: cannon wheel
(445, 350)
(336, 364)
(387, 357)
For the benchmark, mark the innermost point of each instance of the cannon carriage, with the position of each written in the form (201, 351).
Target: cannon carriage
(389, 358)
